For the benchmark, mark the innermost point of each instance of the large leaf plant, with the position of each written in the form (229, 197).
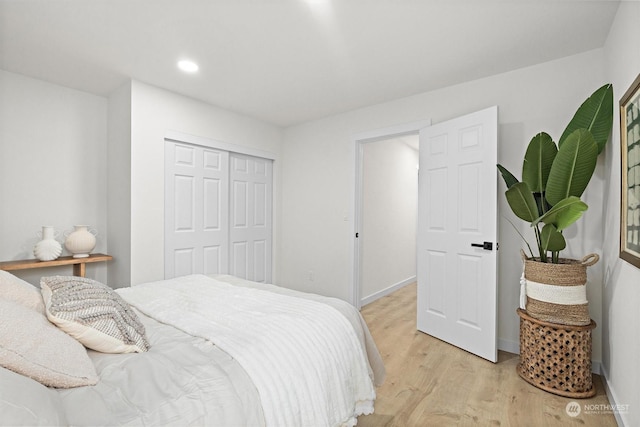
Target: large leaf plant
(555, 176)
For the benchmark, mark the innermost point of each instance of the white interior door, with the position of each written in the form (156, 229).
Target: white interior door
(250, 217)
(196, 210)
(457, 232)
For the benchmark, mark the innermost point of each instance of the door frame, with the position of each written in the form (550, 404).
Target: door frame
(171, 136)
(175, 136)
(359, 140)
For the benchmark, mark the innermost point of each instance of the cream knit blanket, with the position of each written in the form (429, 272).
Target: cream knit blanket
(304, 357)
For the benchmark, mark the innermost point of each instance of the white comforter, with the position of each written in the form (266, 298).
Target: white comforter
(304, 357)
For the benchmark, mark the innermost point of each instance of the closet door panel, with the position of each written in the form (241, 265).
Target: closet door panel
(260, 261)
(239, 259)
(196, 210)
(251, 211)
(212, 256)
(183, 261)
(211, 195)
(218, 212)
(240, 202)
(184, 195)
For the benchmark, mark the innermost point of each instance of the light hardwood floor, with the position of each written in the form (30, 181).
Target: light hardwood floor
(431, 383)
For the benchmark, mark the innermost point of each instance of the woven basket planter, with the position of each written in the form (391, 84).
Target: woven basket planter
(557, 293)
(556, 358)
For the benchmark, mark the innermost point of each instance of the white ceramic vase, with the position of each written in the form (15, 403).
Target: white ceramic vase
(80, 242)
(48, 248)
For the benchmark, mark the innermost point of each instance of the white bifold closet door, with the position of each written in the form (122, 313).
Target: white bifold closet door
(250, 217)
(218, 212)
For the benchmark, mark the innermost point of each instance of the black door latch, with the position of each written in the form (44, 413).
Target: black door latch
(488, 246)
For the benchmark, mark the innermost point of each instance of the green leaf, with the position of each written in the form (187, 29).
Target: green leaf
(521, 236)
(563, 214)
(573, 167)
(522, 203)
(543, 206)
(537, 161)
(551, 239)
(595, 115)
(508, 177)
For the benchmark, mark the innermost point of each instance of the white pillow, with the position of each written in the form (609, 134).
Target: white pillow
(30, 345)
(13, 288)
(25, 402)
(94, 314)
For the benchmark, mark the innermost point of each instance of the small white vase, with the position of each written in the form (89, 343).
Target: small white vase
(80, 242)
(48, 248)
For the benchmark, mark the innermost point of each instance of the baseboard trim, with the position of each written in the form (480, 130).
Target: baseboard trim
(387, 291)
(611, 395)
(509, 346)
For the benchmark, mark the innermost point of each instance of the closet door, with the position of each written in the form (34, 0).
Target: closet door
(196, 210)
(250, 215)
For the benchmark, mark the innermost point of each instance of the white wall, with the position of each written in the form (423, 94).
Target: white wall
(53, 147)
(621, 298)
(155, 111)
(119, 186)
(318, 163)
(389, 216)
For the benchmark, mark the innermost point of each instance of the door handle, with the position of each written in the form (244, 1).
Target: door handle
(485, 245)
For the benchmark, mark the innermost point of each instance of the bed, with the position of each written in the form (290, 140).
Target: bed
(200, 350)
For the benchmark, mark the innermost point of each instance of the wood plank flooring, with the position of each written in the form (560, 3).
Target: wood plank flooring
(432, 383)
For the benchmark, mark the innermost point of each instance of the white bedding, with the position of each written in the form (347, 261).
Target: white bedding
(321, 377)
(182, 380)
(347, 310)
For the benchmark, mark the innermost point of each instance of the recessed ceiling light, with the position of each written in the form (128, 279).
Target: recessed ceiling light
(188, 66)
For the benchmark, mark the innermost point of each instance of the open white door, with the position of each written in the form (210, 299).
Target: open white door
(457, 232)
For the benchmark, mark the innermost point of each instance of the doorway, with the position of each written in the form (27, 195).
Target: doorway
(389, 216)
(457, 204)
(381, 262)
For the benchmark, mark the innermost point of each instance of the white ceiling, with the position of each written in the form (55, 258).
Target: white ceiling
(289, 61)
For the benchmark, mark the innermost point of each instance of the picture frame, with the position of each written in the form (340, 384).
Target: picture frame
(630, 174)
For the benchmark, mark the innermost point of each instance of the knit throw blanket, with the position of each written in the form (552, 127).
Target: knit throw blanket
(303, 356)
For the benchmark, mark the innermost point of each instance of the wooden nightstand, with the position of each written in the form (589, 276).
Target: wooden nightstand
(79, 264)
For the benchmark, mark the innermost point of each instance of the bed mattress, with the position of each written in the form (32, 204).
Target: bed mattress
(181, 380)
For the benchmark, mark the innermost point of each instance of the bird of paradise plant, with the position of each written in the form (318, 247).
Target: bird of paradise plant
(555, 176)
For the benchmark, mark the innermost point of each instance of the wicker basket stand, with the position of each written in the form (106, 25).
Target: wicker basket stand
(557, 293)
(556, 358)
